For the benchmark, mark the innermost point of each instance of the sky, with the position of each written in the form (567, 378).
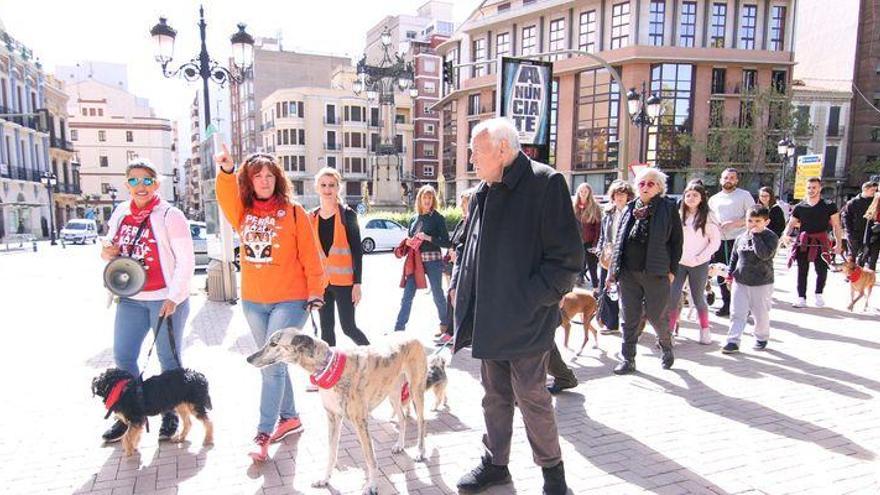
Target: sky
(65, 33)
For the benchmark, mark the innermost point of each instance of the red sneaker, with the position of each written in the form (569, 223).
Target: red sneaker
(262, 442)
(286, 427)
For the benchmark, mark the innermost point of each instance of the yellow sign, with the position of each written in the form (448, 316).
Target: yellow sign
(807, 166)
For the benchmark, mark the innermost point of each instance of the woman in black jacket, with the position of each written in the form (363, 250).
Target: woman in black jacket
(428, 234)
(777, 217)
(457, 241)
(871, 241)
(646, 255)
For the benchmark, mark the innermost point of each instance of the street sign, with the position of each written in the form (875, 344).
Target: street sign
(807, 166)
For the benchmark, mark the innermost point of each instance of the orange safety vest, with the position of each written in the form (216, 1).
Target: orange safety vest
(338, 265)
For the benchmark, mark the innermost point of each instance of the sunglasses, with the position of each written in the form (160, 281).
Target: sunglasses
(253, 157)
(134, 181)
(647, 183)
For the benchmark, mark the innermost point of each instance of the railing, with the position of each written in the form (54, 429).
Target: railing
(333, 146)
(56, 142)
(22, 173)
(375, 123)
(840, 131)
(332, 120)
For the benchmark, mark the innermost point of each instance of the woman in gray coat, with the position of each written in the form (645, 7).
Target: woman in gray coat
(646, 255)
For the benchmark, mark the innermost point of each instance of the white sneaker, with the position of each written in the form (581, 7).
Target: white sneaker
(820, 303)
(705, 336)
(801, 303)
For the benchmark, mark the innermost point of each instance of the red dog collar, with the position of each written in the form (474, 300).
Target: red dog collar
(332, 372)
(114, 395)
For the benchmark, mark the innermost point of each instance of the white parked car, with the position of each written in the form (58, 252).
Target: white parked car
(379, 234)
(199, 231)
(79, 230)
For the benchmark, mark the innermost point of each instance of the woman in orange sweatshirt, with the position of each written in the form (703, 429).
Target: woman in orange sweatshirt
(282, 277)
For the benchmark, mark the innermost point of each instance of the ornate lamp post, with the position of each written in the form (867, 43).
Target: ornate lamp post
(644, 110)
(49, 180)
(786, 149)
(380, 82)
(203, 66)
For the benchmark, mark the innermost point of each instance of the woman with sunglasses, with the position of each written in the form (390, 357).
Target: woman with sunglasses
(156, 234)
(336, 227)
(646, 255)
(282, 277)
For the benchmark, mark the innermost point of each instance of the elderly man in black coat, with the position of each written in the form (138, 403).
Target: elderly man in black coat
(521, 255)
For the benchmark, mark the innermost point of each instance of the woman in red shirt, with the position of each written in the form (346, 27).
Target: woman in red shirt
(151, 231)
(589, 216)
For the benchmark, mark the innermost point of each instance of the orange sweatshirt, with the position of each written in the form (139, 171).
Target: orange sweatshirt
(279, 255)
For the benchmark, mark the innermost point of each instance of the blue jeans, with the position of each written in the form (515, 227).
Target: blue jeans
(134, 319)
(276, 395)
(434, 270)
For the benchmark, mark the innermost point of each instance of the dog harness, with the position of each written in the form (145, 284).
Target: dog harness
(330, 374)
(855, 275)
(114, 396)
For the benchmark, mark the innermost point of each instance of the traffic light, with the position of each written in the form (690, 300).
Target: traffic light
(448, 72)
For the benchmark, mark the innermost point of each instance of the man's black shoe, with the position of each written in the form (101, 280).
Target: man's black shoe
(730, 348)
(554, 480)
(723, 311)
(560, 386)
(169, 426)
(483, 476)
(625, 368)
(760, 345)
(667, 359)
(115, 433)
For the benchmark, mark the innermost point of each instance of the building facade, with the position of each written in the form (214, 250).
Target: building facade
(61, 155)
(433, 17)
(428, 76)
(273, 68)
(835, 53)
(109, 127)
(24, 146)
(722, 68)
(310, 128)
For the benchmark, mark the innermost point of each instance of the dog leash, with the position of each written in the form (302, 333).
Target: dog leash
(170, 326)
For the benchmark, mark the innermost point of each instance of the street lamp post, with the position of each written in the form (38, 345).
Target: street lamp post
(379, 83)
(786, 149)
(112, 191)
(205, 68)
(49, 180)
(644, 110)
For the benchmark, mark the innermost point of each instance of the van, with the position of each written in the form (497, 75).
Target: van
(78, 231)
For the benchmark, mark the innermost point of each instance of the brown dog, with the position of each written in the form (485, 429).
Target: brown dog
(861, 283)
(579, 302)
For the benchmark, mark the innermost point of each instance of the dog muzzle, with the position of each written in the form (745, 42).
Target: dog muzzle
(114, 396)
(330, 374)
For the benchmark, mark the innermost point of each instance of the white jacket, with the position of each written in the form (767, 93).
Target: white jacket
(176, 254)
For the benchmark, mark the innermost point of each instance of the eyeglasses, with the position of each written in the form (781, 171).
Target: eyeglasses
(647, 183)
(134, 181)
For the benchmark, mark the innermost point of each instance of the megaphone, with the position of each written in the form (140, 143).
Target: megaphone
(124, 276)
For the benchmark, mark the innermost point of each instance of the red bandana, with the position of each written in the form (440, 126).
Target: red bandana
(855, 275)
(140, 214)
(267, 207)
(114, 395)
(404, 392)
(332, 372)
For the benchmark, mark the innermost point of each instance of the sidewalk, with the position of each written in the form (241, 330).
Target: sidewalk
(801, 417)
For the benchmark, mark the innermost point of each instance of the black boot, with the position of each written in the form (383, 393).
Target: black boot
(483, 476)
(169, 425)
(625, 367)
(667, 358)
(554, 480)
(115, 433)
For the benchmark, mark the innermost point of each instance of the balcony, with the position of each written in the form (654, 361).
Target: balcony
(332, 120)
(375, 123)
(22, 173)
(68, 188)
(58, 143)
(333, 146)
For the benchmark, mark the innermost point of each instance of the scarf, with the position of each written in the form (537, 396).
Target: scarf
(141, 214)
(642, 213)
(267, 207)
(114, 396)
(331, 372)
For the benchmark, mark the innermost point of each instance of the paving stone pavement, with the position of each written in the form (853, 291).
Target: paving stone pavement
(801, 417)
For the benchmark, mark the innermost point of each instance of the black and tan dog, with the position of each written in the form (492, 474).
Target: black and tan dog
(183, 390)
(352, 383)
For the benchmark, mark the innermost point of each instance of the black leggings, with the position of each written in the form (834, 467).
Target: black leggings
(591, 263)
(723, 256)
(803, 263)
(871, 252)
(339, 294)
